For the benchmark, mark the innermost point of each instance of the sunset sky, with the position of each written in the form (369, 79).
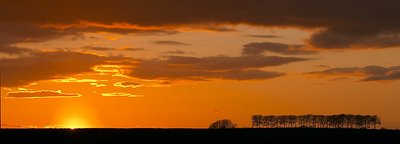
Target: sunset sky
(187, 63)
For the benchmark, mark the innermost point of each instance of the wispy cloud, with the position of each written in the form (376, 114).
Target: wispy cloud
(75, 80)
(170, 42)
(112, 49)
(264, 36)
(369, 73)
(176, 52)
(127, 84)
(120, 94)
(41, 94)
(260, 48)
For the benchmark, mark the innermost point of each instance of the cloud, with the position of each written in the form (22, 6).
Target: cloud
(341, 24)
(46, 65)
(218, 67)
(170, 42)
(111, 49)
(392, 75)
(322, 66)
(41, 94)
(98, 84)
(75, 80)
(369, 73)
(127, 84)
(120, 94)
(260, 48)
(16, 126)
(13, 32)
(340, 40)
(114, 27)
(29, 32)
(264, 36)
(177, 52)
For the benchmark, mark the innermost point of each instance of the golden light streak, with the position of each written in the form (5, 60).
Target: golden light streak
(41, 94)
(75, 80)
(120, 94)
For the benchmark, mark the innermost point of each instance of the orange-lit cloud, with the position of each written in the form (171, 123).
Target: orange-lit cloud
(170, 42)
(98, 84)
(41, 94)
(115, 27)
(120, 94)
(16, 126)
(45, 66)
(369, 73)
(176, 52)
(127, 84)
(260, 48)
(218, 67)
(111, 49)
(264, 36)
(75, 80)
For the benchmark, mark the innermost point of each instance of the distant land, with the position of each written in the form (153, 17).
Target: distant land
(201, 136)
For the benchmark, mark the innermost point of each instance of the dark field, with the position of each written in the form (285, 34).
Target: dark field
(200, 136)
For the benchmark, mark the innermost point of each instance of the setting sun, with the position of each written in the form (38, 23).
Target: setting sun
(75, 122)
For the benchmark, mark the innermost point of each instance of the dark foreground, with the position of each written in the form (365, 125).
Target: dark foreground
(200, 136)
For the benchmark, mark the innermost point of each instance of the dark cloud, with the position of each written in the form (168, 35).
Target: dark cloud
(341, 24)
(219, 67)
(170, 42)
(393, 75)
(19, 32)
(41, 94)
(13, 32)
(260, 48)
(111, 49)
(46, 65)
(370, 73)
(14, 50)
(335, 39)
(264, 36)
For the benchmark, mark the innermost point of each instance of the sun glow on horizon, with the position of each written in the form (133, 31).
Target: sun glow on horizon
(75, 122)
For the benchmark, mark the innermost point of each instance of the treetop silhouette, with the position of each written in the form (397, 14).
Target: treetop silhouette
(316, 121)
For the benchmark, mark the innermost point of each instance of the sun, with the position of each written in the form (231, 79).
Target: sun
(76, 122)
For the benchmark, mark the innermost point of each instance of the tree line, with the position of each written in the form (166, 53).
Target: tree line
(316, 121)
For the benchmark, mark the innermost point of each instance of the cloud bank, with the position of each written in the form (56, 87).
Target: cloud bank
(218, 67)
(46, 65)
(340, 24)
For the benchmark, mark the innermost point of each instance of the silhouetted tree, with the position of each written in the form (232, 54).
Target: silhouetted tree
(316, 121)
(222, 124)
(257, 120)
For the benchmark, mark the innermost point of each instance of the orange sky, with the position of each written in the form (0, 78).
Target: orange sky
(189, 67)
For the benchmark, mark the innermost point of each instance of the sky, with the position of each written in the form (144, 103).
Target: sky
(186, 64)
